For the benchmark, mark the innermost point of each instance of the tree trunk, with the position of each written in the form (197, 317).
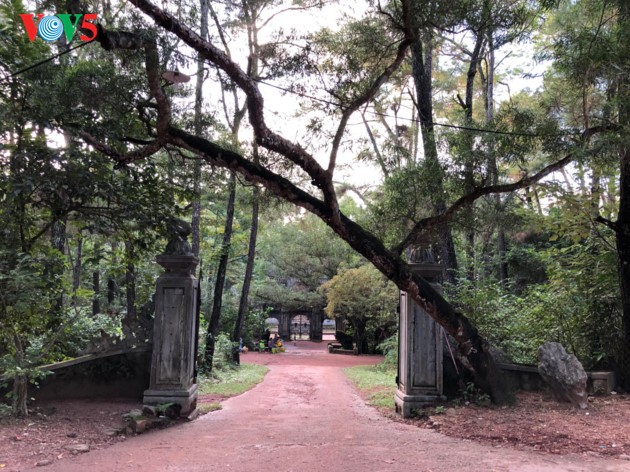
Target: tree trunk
(360, 337)
(492, 159)
(58, 242)
(76, 270)
(468, 148)
(20, 381)
(502, 249)
(96, 287)
(130, 320)
(243, 306)
(20, 396)
(112, 288)
(422, 73)
(198, 127)
(213, 323)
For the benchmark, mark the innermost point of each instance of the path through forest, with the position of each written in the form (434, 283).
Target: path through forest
(307, 417)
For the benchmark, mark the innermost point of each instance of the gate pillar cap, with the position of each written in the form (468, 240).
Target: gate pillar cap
(178, 263)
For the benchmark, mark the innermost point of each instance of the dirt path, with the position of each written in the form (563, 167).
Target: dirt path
(306, 417)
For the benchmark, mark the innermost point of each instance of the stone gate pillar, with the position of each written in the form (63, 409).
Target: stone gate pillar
(419, 349)
(284, 325)
(174, 356)
(316, 326)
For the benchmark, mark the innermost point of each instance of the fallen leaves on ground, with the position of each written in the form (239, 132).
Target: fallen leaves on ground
(538, 422)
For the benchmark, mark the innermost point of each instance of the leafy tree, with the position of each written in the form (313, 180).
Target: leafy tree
(367, 300)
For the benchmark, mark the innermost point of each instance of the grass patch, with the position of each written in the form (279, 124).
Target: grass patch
(377, 385)
(208, 407)
(233, 381)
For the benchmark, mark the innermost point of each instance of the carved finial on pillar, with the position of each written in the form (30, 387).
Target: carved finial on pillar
(178, 231)
(422, 262)
(420, 254)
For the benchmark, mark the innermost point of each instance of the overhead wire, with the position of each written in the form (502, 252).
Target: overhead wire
(40, 63)
(413, 120)
(314, 98)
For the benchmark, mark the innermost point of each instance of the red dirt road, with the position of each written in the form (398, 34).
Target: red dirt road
(306, 417)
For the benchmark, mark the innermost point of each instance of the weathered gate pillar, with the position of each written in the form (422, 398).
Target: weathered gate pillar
(316, 326)
(419, 349)
(284, 325)
(174, 328)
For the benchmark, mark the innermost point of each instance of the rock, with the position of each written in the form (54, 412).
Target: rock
(563, 373)
(140, 426)
(134, 413)
(44, 462)
(71, 435)
(173, 411)
(148, 410)
(77, 448)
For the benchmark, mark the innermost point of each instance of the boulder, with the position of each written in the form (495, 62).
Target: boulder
(564, 374)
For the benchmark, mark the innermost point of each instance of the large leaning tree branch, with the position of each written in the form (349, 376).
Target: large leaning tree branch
(265, 137)
(474, 349)
(471, 345)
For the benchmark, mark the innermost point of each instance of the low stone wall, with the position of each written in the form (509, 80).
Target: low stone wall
(523, 377)
(117, 374)
(335, 348)
(527, 378)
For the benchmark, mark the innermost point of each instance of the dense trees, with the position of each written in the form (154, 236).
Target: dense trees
(97, 150)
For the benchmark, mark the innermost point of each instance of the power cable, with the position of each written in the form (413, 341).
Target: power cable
(33, 66)
(413, 120)
(311, 97)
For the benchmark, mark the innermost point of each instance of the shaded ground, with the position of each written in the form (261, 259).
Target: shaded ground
(51, 428)
(306, 416)
(538, 423)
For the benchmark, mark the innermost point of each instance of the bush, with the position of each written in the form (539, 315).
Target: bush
(389, 348)
(223, 349)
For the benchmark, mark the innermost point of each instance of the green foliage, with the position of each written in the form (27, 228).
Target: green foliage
(353, 55)
(367, 300)
(294, 258)
(578, 306)
(389, 348)
(472, 394)
(223, 349)
(404, 198)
